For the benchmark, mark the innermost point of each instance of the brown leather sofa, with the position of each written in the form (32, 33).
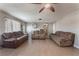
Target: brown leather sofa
(13, 39)
(39, 34)
(63, 38)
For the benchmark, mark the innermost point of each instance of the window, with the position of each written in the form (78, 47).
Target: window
(12, 25)
(54, 28)
(8, 25)
(16, 26)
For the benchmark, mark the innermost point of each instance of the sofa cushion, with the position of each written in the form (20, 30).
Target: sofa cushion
(17, 34)
(11, 39)
(7, 35)
(14, 34)
(20, 33)
(36, 32)
(68, 35)
(60, 33)
(41, 31)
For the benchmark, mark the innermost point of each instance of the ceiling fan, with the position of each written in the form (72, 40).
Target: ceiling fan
(47, 6)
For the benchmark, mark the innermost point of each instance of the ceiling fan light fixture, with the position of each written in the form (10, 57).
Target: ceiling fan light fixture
(47, 6)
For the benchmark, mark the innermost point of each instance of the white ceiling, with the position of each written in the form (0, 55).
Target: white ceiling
(30, 12)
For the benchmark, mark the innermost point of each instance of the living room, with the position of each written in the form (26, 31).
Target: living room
(39, 29)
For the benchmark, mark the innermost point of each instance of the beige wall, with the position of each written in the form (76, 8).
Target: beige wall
(50, 28)
(70, 23)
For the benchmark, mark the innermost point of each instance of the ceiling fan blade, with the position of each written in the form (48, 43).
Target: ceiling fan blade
(41, 9)
(52, 9)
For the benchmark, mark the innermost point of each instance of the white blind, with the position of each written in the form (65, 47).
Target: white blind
(8, 25)
(16, 26)
(12, 25)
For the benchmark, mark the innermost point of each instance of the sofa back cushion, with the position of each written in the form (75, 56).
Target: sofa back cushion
(67, 35)
(12, 35)
(17, 34)
(36, 32)
(41, 31)
(7, 35)
(60, 33)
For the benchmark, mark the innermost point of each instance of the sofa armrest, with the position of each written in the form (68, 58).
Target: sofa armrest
(21, 37)
(66, 42)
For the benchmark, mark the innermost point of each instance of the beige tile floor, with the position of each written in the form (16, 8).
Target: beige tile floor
(40, 48)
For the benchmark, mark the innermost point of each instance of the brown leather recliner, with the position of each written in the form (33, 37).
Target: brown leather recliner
(13, 39)
(63, 38)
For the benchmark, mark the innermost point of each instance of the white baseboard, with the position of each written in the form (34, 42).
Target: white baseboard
(76, 46)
